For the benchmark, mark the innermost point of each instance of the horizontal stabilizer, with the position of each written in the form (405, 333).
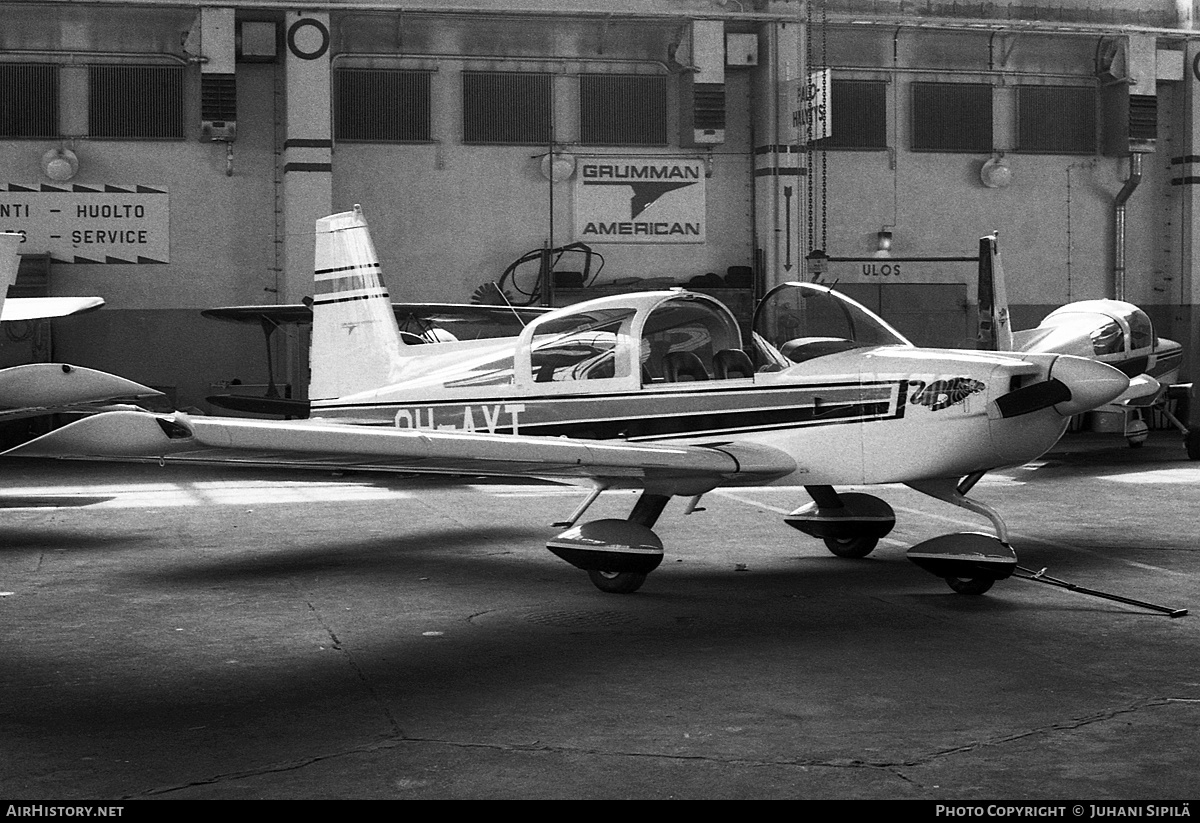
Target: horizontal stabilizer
(261, 405)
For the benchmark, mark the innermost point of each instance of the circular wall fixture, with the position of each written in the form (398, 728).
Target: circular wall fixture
(558, 166)
(60, 165)
(995, 173)
(306, 44)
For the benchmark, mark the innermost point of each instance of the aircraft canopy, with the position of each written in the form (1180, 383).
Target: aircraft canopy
(799, 321)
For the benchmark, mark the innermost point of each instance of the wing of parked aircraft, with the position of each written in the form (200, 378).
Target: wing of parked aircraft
(39, 308)
(33, 308)
(47, 388)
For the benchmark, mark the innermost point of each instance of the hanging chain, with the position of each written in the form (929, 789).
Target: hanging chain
(824, 187)
(810, 194)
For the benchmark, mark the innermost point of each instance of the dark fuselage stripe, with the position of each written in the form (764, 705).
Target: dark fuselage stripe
(653, 417)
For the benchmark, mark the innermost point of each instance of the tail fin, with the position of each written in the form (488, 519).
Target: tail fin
(995, 325)
(356, 343)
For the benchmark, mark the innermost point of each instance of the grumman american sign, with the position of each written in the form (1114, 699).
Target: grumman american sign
(640, 200)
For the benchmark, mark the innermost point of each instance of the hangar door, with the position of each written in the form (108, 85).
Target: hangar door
(929, 314)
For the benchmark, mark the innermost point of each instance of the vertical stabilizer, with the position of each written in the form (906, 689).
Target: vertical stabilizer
(995, 325)
(356, 342)
(8, 263)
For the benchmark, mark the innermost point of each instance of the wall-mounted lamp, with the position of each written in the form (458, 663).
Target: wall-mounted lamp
(995, 173)
(60, 164)
(884, 242)
(558, 166)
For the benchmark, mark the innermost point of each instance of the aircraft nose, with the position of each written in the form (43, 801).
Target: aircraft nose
(1091, 382)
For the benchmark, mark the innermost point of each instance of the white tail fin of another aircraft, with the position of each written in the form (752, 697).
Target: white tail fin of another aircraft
(995, 324)
(356, 343)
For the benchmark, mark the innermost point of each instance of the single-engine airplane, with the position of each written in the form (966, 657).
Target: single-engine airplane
(1110, 331)
(651, 391)
(35, 389)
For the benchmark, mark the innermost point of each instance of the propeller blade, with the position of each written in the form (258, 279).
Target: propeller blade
(1033, 398)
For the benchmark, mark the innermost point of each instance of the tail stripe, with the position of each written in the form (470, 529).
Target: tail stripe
(320, 272)
(348, 299)
(345, 284)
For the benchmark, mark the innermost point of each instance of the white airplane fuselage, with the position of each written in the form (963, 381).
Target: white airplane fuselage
(863, 416)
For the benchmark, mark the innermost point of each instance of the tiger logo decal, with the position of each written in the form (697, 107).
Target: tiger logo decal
(942, 394)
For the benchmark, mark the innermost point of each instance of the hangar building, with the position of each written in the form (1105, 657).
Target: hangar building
(172, 156)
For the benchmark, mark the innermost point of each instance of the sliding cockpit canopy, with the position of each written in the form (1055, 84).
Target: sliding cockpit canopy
(799, 321)
(639, 338)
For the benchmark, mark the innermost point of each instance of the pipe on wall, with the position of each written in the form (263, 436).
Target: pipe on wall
(1131, 183)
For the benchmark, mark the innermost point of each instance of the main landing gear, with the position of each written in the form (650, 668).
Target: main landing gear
(851, 524)
(619, 554)
(616, 554)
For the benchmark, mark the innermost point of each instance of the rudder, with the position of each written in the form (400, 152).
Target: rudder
(995, 325)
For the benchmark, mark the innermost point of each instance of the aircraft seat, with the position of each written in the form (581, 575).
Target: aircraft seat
(729, 363)
(680, 366)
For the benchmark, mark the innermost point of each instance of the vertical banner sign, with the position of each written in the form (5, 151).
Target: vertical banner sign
(813, 117)
(640, 200)
(89, 224)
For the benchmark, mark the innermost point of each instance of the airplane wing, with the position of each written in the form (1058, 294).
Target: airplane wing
(46, 388)
(37, 308)
(666, 469)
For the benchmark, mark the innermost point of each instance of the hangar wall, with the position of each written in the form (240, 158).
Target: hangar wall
(449, 214)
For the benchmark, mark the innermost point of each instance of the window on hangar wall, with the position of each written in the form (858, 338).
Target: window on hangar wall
(136, 102)
(507, 108)
(859, 115)
(29, 103)
(952, 117)
(623, 110)
(1056, 119)
(382, 105)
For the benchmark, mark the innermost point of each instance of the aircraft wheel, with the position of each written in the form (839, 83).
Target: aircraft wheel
(617, 582)
(859, 546)
(970, 585)
(1192, 442)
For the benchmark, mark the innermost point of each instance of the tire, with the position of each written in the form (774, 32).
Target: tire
(859, 546)
(970, 585)
(617, 582)
(1192, 442)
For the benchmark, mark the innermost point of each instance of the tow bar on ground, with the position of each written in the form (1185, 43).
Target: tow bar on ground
(1023, 573)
